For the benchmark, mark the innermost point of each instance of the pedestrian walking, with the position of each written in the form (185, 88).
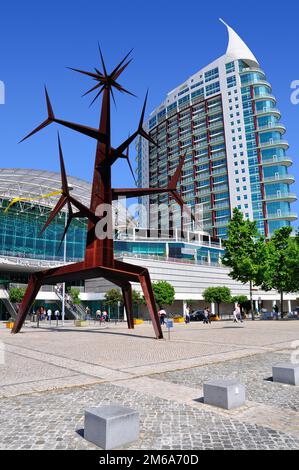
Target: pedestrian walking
(105, 315)
(87, 313)
(162, 316)
(98, 314)
(49, 314)
(187, 314)
(209, 316)
(206, 316)
(237, 314)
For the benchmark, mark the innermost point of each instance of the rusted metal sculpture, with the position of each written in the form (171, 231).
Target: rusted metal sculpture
(99, 258)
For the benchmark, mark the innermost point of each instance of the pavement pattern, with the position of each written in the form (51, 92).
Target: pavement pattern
(50, 375)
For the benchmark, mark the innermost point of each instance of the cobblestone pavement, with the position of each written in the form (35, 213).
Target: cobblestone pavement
(254, 371)
(49, 421)
(51, 375)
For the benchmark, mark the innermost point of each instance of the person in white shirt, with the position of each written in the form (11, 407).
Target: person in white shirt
(237, 314)
(49, 314)
(187, 314)
(162, 316)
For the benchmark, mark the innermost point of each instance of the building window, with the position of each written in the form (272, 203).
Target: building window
(230, 67)
(211, 74)
(213, 88)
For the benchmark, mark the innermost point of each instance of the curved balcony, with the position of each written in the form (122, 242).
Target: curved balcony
(274, 143)
(268, 111)
(283, 196)
(251, 70)
(256, 81)
(286, 161)
(265, 96)
(291, 216)
(272, 127)
(289, 179)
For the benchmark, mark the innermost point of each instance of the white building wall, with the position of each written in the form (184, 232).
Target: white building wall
(189, 281)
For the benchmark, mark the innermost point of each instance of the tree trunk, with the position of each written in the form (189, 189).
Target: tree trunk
(251, 301)
(218, 309)
(281, 304)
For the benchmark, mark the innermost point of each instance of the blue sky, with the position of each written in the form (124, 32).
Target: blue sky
(171, 41)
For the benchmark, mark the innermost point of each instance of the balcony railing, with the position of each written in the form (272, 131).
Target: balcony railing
(279, 160)
(282, 215)
(267, 111)
(281, 196)
(274, 142)
(272, 126)
(256, 81)
(274, 178)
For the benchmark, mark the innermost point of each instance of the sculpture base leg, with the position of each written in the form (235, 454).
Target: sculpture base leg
(34, 285)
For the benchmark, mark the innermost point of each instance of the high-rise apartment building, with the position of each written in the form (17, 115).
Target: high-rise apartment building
(225, 119)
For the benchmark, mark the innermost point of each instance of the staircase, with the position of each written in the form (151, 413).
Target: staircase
(76, 310)
(4, 296)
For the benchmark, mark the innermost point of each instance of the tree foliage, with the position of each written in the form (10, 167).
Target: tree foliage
(75, 294)
(137, 298)
(217, 295)
(281, 271)
(164, 293)
(16, 294)
(245, 251)
(113, 296)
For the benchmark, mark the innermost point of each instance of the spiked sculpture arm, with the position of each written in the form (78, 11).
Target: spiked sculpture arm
(89, 131)
(67, 199)
(172, 185)
(118, 152)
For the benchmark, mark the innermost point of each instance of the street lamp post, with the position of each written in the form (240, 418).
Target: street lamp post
(64, 261)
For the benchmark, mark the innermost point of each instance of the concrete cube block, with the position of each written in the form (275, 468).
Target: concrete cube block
(111, 426)
(224, 393)
(286, 373)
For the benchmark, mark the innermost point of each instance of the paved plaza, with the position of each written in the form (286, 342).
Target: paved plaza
(50, 375)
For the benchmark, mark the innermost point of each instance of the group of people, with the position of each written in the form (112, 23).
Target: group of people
(237, 315)
(102, 316)
(43, 314)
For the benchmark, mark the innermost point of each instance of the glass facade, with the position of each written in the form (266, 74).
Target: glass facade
(196, 129)
(20, 237)
(20, 234)
(266, 150)
(169, 249)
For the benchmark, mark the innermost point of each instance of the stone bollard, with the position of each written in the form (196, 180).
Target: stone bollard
(286, 373)
(224, 393)
(111, 426)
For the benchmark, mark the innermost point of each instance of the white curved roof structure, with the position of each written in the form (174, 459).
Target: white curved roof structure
(34, 184)
(25, 182)
(237, 48)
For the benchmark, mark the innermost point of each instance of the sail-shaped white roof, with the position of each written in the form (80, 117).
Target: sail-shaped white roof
(237, 48)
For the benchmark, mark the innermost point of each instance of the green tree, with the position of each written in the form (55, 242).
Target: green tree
(281, 271)
(217, 295)
(245, 252)
(164, 293)
(75, 294)
(16, 294)
(137, 298)
(113, 296)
